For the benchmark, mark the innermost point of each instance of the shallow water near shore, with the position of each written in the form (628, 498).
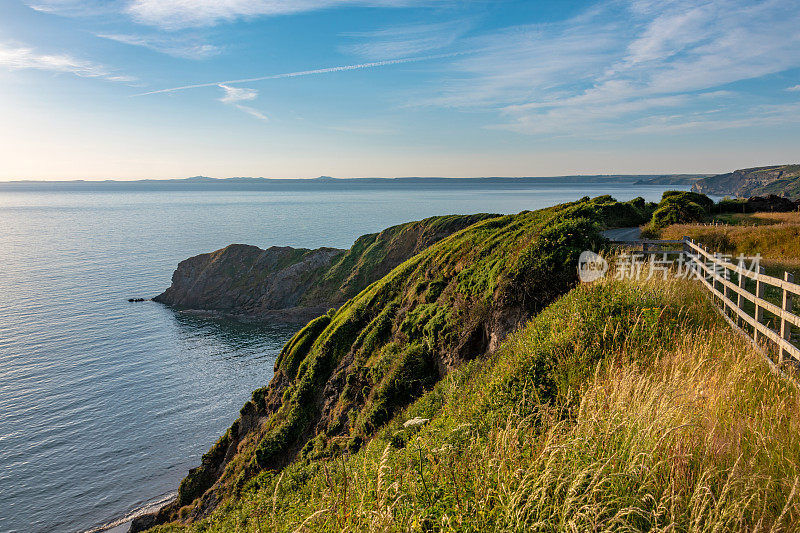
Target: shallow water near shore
(106, 404)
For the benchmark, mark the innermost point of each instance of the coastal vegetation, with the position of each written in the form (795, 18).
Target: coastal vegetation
(348, 373)
(609, 410)
(477, 387)
(775, 236)
(679, 206)
(374, 255)
(683, 210)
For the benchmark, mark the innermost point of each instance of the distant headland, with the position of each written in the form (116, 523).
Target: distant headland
(327, 183)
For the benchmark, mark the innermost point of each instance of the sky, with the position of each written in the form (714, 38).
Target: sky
(131, 89)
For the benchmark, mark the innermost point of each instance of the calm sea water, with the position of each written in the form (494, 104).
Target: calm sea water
(105, 404)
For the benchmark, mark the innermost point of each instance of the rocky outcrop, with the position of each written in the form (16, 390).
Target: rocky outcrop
(297, 284)
(247, 282)
(783, 180)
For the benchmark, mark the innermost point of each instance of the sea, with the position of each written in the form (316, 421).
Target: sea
(105, 404)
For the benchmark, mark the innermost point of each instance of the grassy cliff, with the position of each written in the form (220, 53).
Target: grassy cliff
(783, 180)
(374, 255)
(297, 284)
(349, 373)
(610, 410)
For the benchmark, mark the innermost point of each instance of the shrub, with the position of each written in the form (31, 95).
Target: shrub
(681, 207)
(687, 196)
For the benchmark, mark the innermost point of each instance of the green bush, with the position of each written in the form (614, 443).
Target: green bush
(731, 205)
(687, 196)
(681, 207)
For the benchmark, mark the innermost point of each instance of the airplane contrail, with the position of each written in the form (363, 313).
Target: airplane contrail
(307, 72)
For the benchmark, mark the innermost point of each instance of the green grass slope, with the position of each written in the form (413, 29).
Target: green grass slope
(374, 255)
(609, 411)
(346, 375)
(294, 285)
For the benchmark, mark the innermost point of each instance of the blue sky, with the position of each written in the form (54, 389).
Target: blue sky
(128, 89)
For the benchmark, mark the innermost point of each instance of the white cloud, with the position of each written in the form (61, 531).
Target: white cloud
(404, 41)
(78, 8)
(179, 14)
(187, 48)
(234, 95)
(253, 112)
(795, 88)
(624, 60)
(173, 14)
(20, 57)
(772, 115)
(237, 94)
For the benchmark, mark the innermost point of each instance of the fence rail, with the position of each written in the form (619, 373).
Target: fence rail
(717, 275)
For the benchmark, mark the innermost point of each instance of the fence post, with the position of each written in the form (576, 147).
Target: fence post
(739, 297)
(709, 272)
(786, 326)
(703, 261)
(725, 291)
(759, 314)
(685, 257)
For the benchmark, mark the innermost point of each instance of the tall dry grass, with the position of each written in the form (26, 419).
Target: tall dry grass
(778, 243)
(776, 236)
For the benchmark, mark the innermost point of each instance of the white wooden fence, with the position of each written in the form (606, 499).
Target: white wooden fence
(728, 284)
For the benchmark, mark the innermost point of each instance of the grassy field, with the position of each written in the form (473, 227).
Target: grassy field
(610, 410)
(776, 236)
(758, 219)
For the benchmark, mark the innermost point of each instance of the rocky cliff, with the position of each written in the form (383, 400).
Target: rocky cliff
(782, 180)
(347, 373)
(298, 284)
(248, 282)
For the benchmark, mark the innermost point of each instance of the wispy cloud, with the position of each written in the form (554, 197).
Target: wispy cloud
(772, 115)
(327, 70)
(174, 14)
(405, 41)
(179, 14)
(78, 8)
(176, 46)
(21, 57)
(235, 95)
(794, 89)
(601, 70)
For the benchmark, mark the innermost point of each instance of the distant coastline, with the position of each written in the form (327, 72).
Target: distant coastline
(202, 183)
